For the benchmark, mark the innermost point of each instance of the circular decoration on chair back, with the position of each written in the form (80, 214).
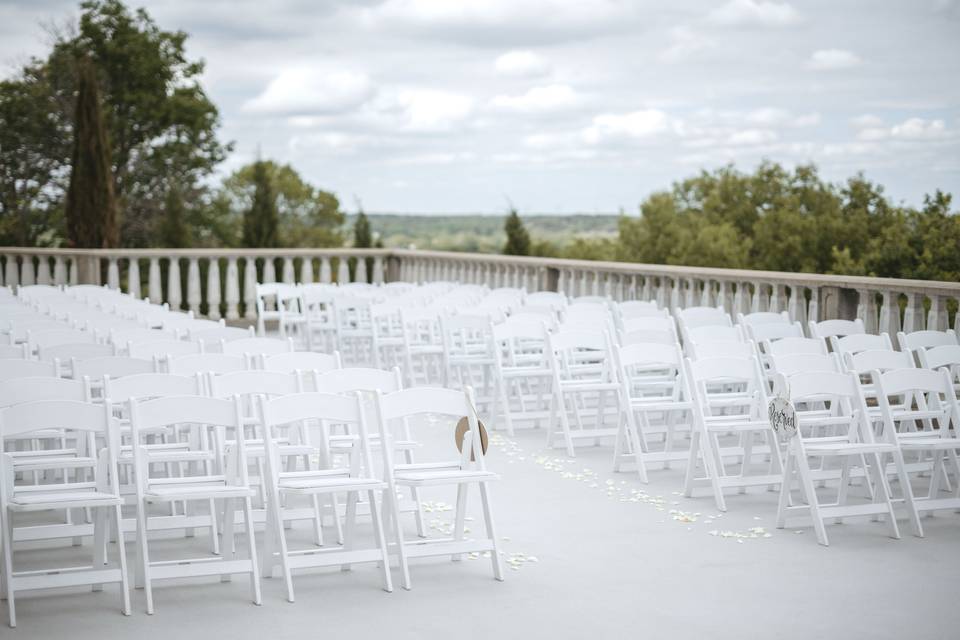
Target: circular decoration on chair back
(463, 426)
(783, 417)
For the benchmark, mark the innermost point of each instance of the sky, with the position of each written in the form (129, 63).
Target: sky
(564, 106)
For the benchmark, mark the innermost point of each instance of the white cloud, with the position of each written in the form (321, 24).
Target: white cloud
(684, 43)
(749, 137)
(554, 97)
(777, 117)
(620, 126)
(919, 129)
(432, 109)
(865, 121)
(833, 59)
(521, 64)
(306, 90)
(743, 13)
(909, 129)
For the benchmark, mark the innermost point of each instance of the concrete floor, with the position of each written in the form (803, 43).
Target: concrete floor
(610, 562)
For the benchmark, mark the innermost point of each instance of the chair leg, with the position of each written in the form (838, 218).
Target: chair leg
(99, 542)
(252, 550)
(381, 541)
(351, 518)
(143, 557)
(391, 510)
(7, 544)
(463, 489)
(122, 557)
(810, 495)
(785, 487)
(495, 560)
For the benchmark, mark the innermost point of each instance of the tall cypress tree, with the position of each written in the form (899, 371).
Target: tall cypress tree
(518, 240)
(173, 230)
(261, 221)
(91, 208)
(362, 236)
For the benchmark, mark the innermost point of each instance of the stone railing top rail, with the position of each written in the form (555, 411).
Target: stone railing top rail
(928, 287)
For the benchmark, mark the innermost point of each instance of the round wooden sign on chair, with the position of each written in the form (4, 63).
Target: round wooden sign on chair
(463, 426)
(783, 417)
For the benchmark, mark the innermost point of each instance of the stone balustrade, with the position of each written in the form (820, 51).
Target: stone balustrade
(220, 282)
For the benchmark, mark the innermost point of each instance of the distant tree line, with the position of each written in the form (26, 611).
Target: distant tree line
(780, 220)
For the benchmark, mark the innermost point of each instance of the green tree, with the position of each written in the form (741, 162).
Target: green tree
(160, 122)
(91, 208)
(174, 232)
(518, 239)
(35, 149)
(307, 216)
(261, 220)
(362, 236)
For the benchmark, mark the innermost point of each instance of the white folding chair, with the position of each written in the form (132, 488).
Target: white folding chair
(693, 317)
(100, 495)
(258, 347)
(12, 368)
(827, 329)
(354, 481)
(469, 469)
(15, 351)
(926, 396)
(926, 339)
(228, 485)
(161, 351)
(521, 371)
(213, 339)
(719, 411)
(468, 351)
(423, 345)
(656, 401)
(857, 342)
(852, 440)
(585, 373)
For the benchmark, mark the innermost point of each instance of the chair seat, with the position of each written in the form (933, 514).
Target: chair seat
(327, 484)
(196, 492)
(847, 448)
(927, 441)
(442, 476)
(38, 463)
(61, 500)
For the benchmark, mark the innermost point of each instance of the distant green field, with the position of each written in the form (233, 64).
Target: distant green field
(482, 233)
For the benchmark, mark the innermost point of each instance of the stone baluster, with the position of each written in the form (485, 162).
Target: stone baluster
(325, 272)
(777, 298)
(288, 272)
(706, 295)
(154, 282)
(194, 295)
(956, 317)
(59, 270)
(675, 284)
(690, 295)
(213, 288)
(937, 316)
(913, 313)
(10, 272)
(867, 309)
(250, 288)
(890, 314)
(723, 296)
(73, 277)
(795, 303)
(662, 292)
(306, 270)
(361, 274)
(174, 296)
(43, 270)
(741, 299)
(756, 303)
(27, 273)
(813, 310)
(343, 271)
(113, 273)
(269, 269)
(133, 277)
(646, 292)
(232, 291)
